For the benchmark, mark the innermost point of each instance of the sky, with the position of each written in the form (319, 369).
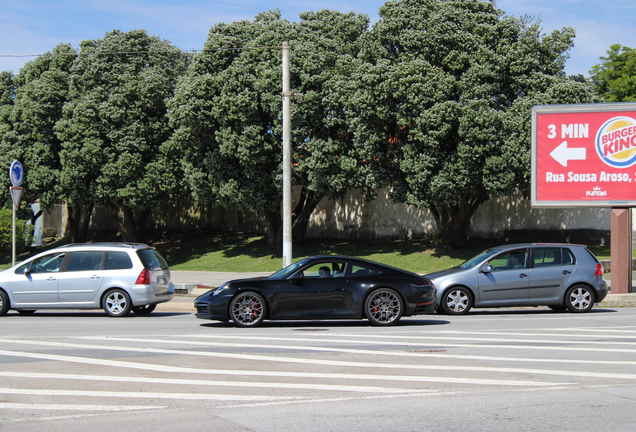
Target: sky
(30, 27)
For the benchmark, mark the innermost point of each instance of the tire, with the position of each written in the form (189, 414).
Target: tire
(26, 311)
(116, 303)
(383, 307)
(144, 310)
(560, 308)
(248, 309)
(457, 301)
(579, 298)
(4, 303)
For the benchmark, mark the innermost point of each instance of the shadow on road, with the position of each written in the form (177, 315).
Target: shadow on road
(325, 325)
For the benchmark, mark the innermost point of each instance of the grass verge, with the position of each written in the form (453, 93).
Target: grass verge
(240, 252)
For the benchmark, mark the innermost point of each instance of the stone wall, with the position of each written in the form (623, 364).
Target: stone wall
(354, 218)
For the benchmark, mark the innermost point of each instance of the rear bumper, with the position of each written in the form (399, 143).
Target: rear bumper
(142, 295)
(601, 292)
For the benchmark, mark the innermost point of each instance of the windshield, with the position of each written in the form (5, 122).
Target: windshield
(288, 271)
(474, 261)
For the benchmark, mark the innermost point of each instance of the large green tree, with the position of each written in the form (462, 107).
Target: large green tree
(437, 103)
(40, 90)
(7, 96)
(227, 115)
(114, 127)
(615, 77)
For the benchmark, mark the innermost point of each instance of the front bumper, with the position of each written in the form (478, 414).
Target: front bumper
(212, 307)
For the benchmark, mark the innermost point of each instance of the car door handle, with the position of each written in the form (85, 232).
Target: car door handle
(566, 272)
(523, 275)
(94, 277)
(50, 278)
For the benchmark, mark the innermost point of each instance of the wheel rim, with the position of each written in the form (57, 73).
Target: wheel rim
(384, 307)
(247, 309)
(580, 298)
(116, 303)
(457, 301)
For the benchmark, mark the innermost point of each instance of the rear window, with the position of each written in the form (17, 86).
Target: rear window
(151, 259)
(118, 261)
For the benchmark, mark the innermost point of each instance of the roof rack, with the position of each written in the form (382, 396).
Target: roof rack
(122, 244)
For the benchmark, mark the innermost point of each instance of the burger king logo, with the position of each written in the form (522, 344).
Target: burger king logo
(616, 142)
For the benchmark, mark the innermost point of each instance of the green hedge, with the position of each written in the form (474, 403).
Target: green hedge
(21, 233)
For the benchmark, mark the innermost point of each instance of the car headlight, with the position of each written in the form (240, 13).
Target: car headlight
(220, 289)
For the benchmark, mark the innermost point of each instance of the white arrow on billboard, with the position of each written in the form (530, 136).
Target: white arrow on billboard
(562, 154)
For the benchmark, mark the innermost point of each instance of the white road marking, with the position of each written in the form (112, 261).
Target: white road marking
(559, 334)
(423, 340)
(69, 407)
(359, 351)
(251, 384)
(142, 395)
(160, 368)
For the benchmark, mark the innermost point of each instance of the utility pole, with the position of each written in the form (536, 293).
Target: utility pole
(287, 169)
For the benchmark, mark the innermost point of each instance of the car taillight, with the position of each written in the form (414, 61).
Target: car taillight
(599, 270)
(144, 278)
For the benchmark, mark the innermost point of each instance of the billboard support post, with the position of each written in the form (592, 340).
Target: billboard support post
(621, 250)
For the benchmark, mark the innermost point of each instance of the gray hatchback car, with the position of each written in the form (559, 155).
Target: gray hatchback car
(116, 277)
(560, 276)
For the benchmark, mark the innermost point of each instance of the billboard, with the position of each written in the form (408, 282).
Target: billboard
(584, 155)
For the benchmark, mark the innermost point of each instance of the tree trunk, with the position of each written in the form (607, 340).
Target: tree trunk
(453, 220)
(79, 218)
(131, 230)
(273, 228)
(85, 222)
(308, 202)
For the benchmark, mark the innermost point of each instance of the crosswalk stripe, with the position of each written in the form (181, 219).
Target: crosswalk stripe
(159, 368)
(142, 395)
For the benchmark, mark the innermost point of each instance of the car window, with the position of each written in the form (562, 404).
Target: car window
(361, 270)
(288, 271)
(471, 263)
(85, 261)
(324, 270)
(117, 261)
(47, 264)
(512, 260)
(547, 257)
(151, 259)
(568, 257)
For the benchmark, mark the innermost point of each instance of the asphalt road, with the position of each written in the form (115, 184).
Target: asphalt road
(506, 370)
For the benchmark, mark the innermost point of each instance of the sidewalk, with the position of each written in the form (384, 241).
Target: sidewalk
(191, 284)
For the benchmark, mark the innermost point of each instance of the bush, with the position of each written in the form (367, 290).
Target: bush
(22, 233)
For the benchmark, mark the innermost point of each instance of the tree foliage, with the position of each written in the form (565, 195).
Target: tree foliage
(31, 105)
(438, 103)
(115, 124)
(434, 102)
(227, 114)
(615, 77)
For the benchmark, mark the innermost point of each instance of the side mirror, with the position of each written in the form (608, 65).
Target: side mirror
(297, 277)
(26, 271)
(486, 269)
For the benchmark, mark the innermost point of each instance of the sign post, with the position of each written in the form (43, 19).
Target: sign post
(16, 173)
(585, 156)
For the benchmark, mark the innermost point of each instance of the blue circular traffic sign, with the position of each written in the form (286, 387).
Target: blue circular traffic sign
(16, 173)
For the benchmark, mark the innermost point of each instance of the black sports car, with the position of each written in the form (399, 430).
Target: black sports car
(324, 287)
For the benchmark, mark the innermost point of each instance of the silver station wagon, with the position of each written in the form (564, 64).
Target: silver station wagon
(115, 277)
(560, 276)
